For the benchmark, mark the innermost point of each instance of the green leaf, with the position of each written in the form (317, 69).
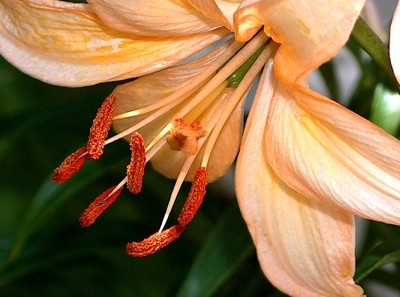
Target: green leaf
(227, 246)
(385, 110)
(382, 254)
(34, 265)
(49, 197)
(374, 46)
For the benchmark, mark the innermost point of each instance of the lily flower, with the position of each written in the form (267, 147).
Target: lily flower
(306, 165)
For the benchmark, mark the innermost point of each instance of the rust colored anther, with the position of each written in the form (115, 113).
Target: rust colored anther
(195, 197)
(70, 165)
(154, 243)
(100, 127)
(135, 169)
(98, 206)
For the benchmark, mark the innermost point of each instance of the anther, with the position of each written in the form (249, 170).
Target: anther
(195, 197)
(135, 169)
(99, 205)
(155, 242)
(183, 137)
(100, 127)
(70, 166)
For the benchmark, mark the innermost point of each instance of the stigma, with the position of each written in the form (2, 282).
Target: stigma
(184, 137)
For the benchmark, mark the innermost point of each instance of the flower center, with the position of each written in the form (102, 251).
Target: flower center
(189, 121)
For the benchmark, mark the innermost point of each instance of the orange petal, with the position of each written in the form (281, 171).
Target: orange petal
(144, 17)
(310, 32)
(305, 247)
(395, 43)
(325, 151)
(66, 44)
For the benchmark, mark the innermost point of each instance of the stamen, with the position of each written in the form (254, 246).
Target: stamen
(135, 169)
(236, 97)
(190, 87)
(99, 205)
(70, 166)
(183, 137)
(214, 83)
(159, 137)
(100, 127)
(155, 242)
(195, 197)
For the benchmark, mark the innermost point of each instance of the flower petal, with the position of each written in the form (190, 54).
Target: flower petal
(220, 11)
(311, 32)
(305, 247)
(326, 152)
(144, 17)
(395, 43)
(66, 44)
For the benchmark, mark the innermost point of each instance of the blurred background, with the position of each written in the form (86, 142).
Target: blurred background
(44, 252)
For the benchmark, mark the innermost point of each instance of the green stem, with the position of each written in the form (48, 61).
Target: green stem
(236, 77)
(374, 46)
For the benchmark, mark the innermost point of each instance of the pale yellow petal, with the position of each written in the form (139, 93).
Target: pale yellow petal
(325, 151)
(66, 44)
(310, 32)
(395, 43)
(220, 11)
(152, 17)
(305, 247)
(247, 20)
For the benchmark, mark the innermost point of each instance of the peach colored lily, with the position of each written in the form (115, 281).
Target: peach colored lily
(395, 42)
(306, 164)
(67, 44)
